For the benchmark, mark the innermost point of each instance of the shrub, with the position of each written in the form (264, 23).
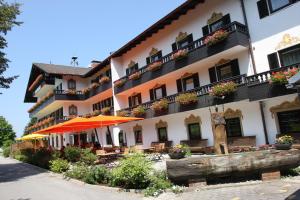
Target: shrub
(6, 147)
(133, 172)
(24, 155)
(215, 38)
(158, 184)
(223, 89)
(97, 175)
(139, 111)
(187, 98)
(78, 171)
(161, 105)
(41, 158)
(87, 157)
(72, 154)
(59, 165)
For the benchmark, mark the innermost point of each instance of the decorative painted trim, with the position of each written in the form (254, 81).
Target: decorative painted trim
(230, 113)
(287, 40)
(132, 63)
(137, 127)
(35, 82)
(192, 119)
(153, 51)
(161, 124)
(181, 36)
(214, 17)
(222, 62)
(286, 105)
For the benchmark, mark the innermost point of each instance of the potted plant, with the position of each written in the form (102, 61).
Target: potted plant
(154, 66)
(122, 113)
(281, 77)
(139, 111)
(179, 151)
(216, 37)
(136, 75)
(85, 90)
(186, 99)
(95, 85)
(180, 54)
(106, 110)
(119, 83)
(71, 92)
(161, 106)
(104, 79)
(284, 142)
(223, 89)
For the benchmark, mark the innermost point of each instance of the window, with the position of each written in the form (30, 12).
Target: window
(216, 25)
(290, 56)
(210, 28)
(132, 69)
(135, 100)
(138, 137)
(156, 57)
(56, 140)
(122, 138)
(233, 127)
(275, 5)
(59, 114)
(158, 92)
(72, 110)
(188, 83)
(289, 121)
(108, 138)
(162, 134)
(266, 7)
(59, 86)
(194, 131)
(183, 43)
(224, 71)
(71, 84)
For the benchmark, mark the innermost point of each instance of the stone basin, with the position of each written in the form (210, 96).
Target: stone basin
(246, 163)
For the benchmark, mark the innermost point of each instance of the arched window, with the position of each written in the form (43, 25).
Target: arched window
(71, 84)
(72, 110)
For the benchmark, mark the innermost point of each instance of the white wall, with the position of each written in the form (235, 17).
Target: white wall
(266, 33)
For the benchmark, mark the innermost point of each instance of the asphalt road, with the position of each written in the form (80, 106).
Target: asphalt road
(19, 181)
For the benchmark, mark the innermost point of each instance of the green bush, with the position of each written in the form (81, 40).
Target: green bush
(41, 157)
(78, 171)
(158, 184)
(133, 172)
(88, 157)
(56, 154)
(24, 155)
(97, 174)
(59, 165)
(72, 154)
(6, 147)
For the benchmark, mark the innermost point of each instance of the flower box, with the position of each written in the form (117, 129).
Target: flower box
(106, 110)
(223, 89)
(139, 111)
(96, 113)
(179, 151)
(284, 142)
(122, 113)
(95, 85)
(186, 99)
(216, 37)
(71, 92)
(281, 77)
(154, 66)
(119, 83)
(180, 54)
(104, 79)
(135, 75)
(160, 106)
(85, 90)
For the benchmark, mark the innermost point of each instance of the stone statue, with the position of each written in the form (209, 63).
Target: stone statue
(220, 137)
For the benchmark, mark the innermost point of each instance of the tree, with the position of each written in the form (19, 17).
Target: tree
(6, 131)
(8, 14)
(32, 121)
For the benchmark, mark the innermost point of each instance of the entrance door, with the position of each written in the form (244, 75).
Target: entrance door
(76, 142)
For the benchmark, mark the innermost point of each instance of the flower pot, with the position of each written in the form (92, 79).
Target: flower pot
(283, 146)
(176, 155)
(161, 112)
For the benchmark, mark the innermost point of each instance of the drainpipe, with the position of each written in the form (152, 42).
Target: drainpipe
(249, 38)
(261, 107)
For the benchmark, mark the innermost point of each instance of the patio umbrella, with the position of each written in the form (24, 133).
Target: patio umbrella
(33, 137)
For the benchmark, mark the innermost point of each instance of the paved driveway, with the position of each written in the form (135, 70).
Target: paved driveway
(19, 181)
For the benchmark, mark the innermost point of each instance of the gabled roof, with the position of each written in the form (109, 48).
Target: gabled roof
(62, 69)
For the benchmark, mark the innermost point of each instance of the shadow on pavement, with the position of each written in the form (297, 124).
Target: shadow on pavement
(294, 196)
(15, 171)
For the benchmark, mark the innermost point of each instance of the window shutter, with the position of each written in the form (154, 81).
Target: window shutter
(235, 67)
(127, 71)
(190, 38)
(151, 94)
(136, 67)
(196, 80)
(262, 8)
(212, 74)
(159, 54)
(226, 20)
(205, 30)
(273, 61)
(140, 98)
(129, 102)
(164, 90)
(174, 46)
(148, 60)
(179, 85)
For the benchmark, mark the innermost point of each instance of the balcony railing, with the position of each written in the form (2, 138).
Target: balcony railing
(197, 44)
(241, 81)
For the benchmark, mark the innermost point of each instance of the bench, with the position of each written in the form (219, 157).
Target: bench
(196, 146)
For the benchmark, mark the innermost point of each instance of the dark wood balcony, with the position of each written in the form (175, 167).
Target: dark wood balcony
(198, 50)
(253, 88)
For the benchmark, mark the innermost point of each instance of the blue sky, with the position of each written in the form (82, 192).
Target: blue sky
(56, 30)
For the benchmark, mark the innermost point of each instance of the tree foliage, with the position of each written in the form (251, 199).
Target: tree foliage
(8, 14)
(32, 121)
(6, 131)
